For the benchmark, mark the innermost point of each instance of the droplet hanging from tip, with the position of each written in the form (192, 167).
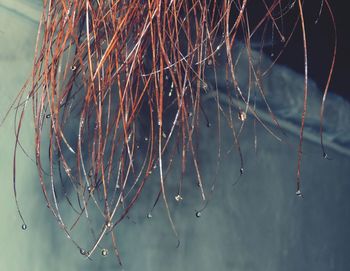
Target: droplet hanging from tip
(104, 252)
(178, 198)
(24, 226)
(83, 252)
(325, 156)
(198, 214)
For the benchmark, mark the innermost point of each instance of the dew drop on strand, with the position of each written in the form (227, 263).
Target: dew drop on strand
(241, 170)
(104, 252)
(198, 214)
(149, 215)
(109, 224)
(24, 227)
(178, 198)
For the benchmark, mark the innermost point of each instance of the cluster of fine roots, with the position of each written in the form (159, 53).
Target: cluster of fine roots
(116, 89)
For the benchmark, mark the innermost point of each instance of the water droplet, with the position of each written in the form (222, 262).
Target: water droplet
(164, 135)
(241, 170)
(208, 124)
(198, 214)
(48, 116)
(90, 188)
(204, 86)
(83, 252)
(210, 62)
(325, 156)
(149, 215)
(146, 138)
(178, 198)
(109, 225)
(104, 252)
(73, 67)
(242, 116)
(24, 227)
(298, 193)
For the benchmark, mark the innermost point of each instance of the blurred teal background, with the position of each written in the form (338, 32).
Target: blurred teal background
(256, 224)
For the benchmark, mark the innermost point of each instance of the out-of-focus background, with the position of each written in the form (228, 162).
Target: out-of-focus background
(255, 222)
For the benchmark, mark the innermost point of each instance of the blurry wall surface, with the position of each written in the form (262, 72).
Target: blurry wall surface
(252, 222)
